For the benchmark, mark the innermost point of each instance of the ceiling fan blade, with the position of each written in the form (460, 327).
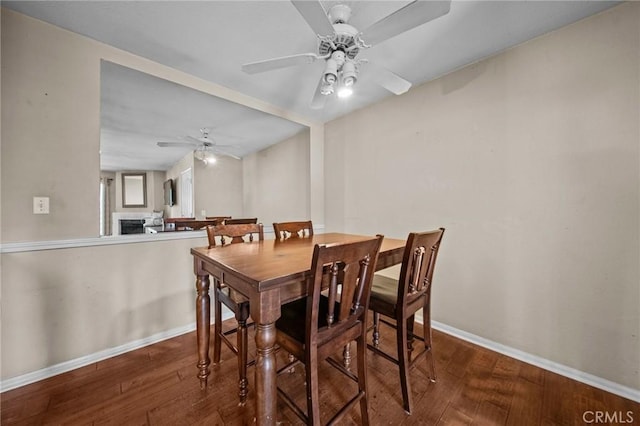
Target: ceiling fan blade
(389, 80)
(197, 141)
(225, 153)
(319, 100)
(276, 63)
(314, 14)
(176, 144)
(410, 16)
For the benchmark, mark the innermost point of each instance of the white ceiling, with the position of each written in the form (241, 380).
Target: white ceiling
(212, 39)
(139, 110)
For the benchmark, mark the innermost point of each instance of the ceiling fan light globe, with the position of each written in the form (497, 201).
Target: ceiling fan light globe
(330, 79)
(326, 89)
(331, 72)
(349, 74)
(345, 92)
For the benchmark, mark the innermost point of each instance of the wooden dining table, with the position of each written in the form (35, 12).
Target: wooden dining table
(269, 273)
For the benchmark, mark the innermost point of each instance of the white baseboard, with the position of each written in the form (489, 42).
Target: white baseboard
(563, 370)
(63, 367)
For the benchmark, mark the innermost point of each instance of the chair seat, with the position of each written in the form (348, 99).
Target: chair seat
(384, 289)
(289, 321)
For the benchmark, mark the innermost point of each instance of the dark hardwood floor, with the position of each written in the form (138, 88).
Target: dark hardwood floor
(157, 385)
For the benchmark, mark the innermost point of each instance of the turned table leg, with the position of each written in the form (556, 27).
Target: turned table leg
(203, 322)
(266, 386)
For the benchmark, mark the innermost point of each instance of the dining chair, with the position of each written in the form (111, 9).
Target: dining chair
(400, 299)
(285, 230)
(236, 302)
(229, 234)
(313, 328)
(241, 221)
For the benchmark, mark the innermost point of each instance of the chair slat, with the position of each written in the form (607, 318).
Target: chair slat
(415, 284)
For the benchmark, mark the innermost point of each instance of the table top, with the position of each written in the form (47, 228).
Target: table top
(268, 263)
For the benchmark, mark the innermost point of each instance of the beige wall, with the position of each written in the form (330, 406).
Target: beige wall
(59, 305)
(218, 188)
(276, 181)
(530, 159)
(50, 119)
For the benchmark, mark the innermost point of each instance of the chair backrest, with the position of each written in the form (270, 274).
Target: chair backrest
(220, 219)
(182, 223)
(348, 302)
(418, 264)
(240, 221)
(285, 230)
(231, 234)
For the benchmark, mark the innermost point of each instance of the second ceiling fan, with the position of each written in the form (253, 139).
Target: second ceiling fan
(340, 43)
(205, 148)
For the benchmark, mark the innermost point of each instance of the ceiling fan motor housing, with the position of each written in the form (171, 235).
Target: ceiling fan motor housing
(344, 38)
(339, 14)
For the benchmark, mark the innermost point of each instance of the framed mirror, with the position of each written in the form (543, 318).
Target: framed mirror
(134, 190)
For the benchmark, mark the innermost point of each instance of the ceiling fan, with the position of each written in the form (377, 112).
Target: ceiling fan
(206, 148)
(340, 43)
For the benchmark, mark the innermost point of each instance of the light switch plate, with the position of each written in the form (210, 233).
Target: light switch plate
(40, 205)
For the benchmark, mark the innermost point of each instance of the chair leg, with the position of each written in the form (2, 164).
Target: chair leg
(291, 358)
(346, 356)
(426, 313)
(313, 394)
(376, 329)
(410, 338)
(403, 363)
(217, 341)
(242, 344)
(362, 376)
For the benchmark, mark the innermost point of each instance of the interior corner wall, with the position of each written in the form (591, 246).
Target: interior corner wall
(174, 172)
(531, 161)
(155, 188)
